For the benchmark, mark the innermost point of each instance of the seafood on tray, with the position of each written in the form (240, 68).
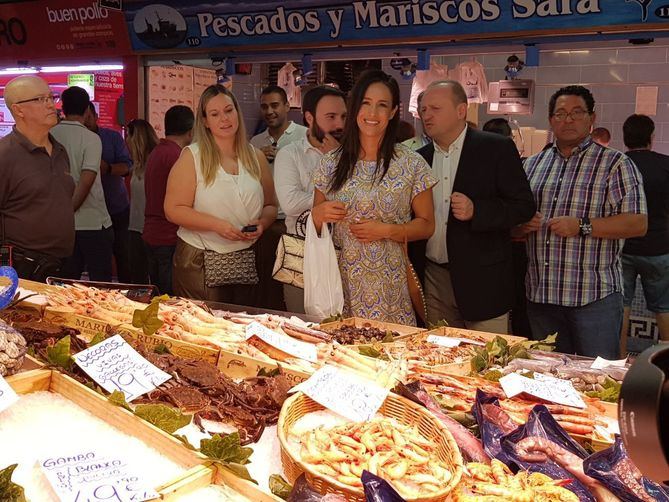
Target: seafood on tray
(496, 483)
(393, 451)
(353, 335)
(457, 393)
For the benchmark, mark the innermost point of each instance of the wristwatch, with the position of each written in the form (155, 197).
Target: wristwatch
(584, 226)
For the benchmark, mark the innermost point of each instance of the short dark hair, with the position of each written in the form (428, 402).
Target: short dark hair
(601, 133)
(314, 95)
(178, 120)
(572, 90)
(272, 89)
(638, 131)
(75, 100)
(91, 107)
(498, 126)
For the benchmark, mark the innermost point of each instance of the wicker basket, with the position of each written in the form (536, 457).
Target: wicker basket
(402, 410)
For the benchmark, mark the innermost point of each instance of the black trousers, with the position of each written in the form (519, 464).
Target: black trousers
(138, 259)
(120, 222)
(160, 267)
(92, 252)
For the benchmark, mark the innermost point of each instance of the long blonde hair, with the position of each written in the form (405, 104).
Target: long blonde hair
(142, 139)
(210, 155)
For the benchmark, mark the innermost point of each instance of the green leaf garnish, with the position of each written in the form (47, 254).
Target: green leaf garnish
(610, 393)
(238, 470)
(334, 318)
(59, 354)
(117, 398)
(99, 337)
(263, 372)
(279, 486)
(439, 324)
(168, 419)
(226, 448)
(369, 351)
(161, 348)
(9, 491)
(185, 441)
(388, 337)
(147, 319)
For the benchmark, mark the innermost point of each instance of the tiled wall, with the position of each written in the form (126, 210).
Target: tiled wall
(611, 73)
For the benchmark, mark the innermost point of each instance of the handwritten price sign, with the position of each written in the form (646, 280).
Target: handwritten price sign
(303, 350)
(344, 393)
(549, 389)
(115, 365)
(7, 395)
(92, 477)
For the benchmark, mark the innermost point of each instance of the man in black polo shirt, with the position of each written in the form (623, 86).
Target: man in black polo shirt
(36, 212)
(648, 256)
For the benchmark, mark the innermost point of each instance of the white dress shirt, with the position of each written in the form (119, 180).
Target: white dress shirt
(444, 168)
(293, 179)
(294, 132)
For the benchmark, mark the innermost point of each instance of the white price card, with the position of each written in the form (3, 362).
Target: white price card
(285, 343)
(91, 477)
(7, 395)
(349, 395)
(115, 365)
(549, 389)
(600, 363)
(444, 341)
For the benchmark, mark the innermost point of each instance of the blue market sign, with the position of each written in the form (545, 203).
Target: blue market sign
(247, 25)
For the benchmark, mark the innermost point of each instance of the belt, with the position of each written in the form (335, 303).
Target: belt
(446, 266)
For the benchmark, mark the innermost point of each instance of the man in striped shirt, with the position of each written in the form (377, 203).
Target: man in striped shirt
(589, 199)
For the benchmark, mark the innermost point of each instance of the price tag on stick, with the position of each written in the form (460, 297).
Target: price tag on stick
(7, 395)
(344, 393)
(115, 365)
(94, 477)
(549, 389)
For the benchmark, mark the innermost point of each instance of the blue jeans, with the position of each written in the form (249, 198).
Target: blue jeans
(160, 267)
(591, 330)
(654, 272)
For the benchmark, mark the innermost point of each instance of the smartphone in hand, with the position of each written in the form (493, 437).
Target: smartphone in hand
(249, 228)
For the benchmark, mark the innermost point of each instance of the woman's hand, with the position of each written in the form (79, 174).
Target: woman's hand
(370, 230)
(330, 211)
(228, 231)
(251, 236)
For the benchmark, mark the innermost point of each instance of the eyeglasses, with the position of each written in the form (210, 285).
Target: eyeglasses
(577, 114)
(49, 98)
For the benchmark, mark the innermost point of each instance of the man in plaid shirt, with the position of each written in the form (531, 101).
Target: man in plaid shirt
(589, 199)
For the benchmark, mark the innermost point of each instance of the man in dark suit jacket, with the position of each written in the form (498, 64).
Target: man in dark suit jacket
(482, 193)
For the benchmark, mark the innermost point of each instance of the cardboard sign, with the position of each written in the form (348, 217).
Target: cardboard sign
(7, 395)
(90, 476)
(285, 343)
(444, 341)
(344, 393)
(549, 389)
(115, 365)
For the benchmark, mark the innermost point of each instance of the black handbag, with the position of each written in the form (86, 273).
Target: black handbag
(224, 269)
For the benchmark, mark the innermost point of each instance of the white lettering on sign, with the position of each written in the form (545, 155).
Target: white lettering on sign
(7, 395)
(549, 389)
(285, 343)
(92, 477)
(81, 14)
(115, 365)
(344, 393)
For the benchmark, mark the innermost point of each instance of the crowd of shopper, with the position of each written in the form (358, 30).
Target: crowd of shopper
(578, 222)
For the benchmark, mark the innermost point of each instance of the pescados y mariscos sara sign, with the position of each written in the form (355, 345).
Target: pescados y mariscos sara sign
(312, 22)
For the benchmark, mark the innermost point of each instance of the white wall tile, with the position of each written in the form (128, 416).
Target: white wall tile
(604, 73)
(642, 55)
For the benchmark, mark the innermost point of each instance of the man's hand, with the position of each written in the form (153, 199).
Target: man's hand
(534, 225)
(564, 226)
(328, 144)
(270, 152)
(370, 230)
(462, 207)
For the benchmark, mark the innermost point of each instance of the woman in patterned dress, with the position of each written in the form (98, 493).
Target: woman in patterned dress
(369, 188)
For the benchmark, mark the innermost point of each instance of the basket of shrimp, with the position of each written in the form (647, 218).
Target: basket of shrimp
(403, 444)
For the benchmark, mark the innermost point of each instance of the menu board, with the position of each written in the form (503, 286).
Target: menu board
(175, 85)
(168, 86)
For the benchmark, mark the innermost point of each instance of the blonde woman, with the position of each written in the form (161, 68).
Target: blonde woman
(221, 194)
(141, 140)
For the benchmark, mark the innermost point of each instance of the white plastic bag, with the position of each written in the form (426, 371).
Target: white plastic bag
(323, 292)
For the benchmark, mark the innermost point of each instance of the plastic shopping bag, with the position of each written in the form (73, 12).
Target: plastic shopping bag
(323, 292)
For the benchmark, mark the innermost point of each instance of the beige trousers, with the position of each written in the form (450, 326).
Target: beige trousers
(441, 304)
(294, 298)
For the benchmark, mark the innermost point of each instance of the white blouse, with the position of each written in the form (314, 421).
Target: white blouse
(238, 199)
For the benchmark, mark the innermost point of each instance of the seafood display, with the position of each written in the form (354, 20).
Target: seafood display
(496, 483)
(353, 335)
(382, 446)
(12, 350)
(201, 389)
